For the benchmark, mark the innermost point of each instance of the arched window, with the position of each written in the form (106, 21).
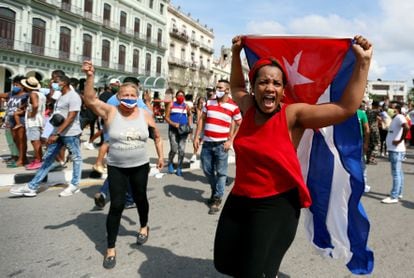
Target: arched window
(135, 61)
(172, 50)
(107, 14)
(64, 43)
(158, 68)
(106, 51)
(149, 30)
(148, 64)
(121, 57)
(38, 36)
(7, 26)
(87, 47)
(123, 21)
(137, 26)
(159, 37)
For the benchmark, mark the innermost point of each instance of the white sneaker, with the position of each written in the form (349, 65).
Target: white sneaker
(193, 158)
(400, 196)
(69, 191)
(389, 200)
(367, 188)
(88, 145)
(23, 191)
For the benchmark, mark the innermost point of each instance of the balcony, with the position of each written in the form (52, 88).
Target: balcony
(6, 43)
(194, 43)
(178, 62)
(193, 66)
(175, 33)
(206, 48)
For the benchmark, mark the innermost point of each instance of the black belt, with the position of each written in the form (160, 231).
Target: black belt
(214, 143)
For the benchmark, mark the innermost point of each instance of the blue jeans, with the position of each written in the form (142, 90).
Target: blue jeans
(72, 143)
(396, 159)
(105, 190)
(214, 164)
(177, 144)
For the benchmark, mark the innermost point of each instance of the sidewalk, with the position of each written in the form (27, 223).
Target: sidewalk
(19, 175)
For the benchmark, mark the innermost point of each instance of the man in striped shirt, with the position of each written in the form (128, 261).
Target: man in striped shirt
(220, 121)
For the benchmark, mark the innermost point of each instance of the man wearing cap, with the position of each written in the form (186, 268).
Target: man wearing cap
(219, 132)
(34, 119)
(66, 134)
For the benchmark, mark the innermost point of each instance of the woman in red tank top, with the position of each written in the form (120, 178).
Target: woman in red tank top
(259, 220)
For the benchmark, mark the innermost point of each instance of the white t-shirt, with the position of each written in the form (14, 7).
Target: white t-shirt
(394, 133)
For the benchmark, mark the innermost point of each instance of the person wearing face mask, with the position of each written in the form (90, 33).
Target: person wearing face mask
(66, 134)
(220, 120)
(177, 113)
(17, 156)
(128, 161)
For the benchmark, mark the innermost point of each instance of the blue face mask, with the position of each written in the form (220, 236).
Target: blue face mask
(56, 87)
(15, 90)
(129, 103)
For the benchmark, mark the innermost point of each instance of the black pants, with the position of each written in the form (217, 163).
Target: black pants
(118, 181)
(253, 235)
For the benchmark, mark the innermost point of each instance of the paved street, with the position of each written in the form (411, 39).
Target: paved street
(48, 236)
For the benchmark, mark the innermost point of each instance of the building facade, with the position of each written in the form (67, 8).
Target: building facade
(121, 37)
(391, 90)
(190, 56)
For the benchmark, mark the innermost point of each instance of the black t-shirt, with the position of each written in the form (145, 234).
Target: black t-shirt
(105, 96)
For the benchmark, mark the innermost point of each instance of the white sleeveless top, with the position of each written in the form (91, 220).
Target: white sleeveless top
(127, 141)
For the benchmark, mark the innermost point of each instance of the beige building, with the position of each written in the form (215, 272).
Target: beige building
(121, 37)
(392, 90)
(190, 57)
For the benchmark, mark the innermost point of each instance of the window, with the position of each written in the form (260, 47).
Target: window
(88, 5)
(121, 57)
(158, 69)
(107, 14)
(192, 57)
(159, 37)
(38, 36)
(148, 64)
(123, 21)
(149, 29)
(174, 25)
(106, 51)
(137, 26)
(172, 50)
(161, 8)
(7, 26)
(87, 47)
(66, 5)
(183, 54)
(151, 4)
(193, 35)
(64, 43)
(135, 61)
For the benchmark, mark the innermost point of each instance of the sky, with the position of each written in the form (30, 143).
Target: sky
(389, 25)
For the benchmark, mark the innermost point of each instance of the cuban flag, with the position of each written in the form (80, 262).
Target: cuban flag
(318, 71)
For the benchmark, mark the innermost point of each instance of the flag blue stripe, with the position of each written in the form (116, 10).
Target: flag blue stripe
(319, 184)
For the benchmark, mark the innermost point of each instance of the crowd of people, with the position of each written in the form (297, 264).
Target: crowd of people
(260, 216)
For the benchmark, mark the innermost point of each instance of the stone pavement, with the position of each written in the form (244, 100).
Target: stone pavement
(19, 175)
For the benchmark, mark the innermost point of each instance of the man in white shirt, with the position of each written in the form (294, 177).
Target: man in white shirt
(396, 151)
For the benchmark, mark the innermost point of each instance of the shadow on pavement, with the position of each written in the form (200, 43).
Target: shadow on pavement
(161, 262)
(93, 225)
(184, 193)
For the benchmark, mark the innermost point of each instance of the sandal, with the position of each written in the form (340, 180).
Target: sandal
(109, 262)
(141, 238)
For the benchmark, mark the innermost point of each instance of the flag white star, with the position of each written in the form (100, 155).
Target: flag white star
(295, 78)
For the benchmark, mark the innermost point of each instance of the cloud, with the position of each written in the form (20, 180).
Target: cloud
(265, 27)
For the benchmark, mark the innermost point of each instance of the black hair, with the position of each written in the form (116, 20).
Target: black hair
(74, 82)
(180, 91)
(131, 79)
(57, 73)
(18, 78)
(63, 79)
(223, 81)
